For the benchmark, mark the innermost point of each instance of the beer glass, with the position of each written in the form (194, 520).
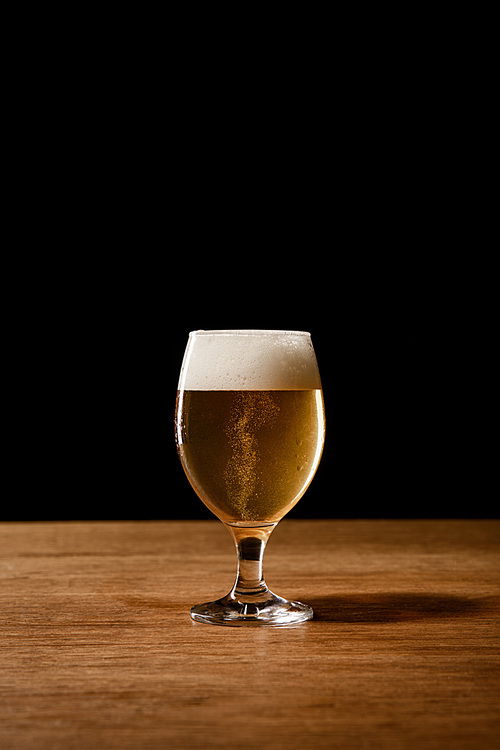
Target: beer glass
(250, 430)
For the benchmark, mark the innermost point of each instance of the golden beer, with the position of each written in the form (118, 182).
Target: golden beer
(250, 454)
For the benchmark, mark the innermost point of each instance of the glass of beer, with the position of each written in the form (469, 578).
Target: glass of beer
(250, 430)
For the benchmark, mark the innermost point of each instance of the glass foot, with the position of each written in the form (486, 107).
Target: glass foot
(272, 611)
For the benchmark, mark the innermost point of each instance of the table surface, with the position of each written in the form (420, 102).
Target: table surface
(98, 650)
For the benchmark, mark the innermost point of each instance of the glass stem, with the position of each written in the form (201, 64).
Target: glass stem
(250, 545)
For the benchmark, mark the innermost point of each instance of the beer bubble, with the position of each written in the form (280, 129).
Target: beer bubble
(250, 411)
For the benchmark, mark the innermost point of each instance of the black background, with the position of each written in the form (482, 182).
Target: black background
(337, 190)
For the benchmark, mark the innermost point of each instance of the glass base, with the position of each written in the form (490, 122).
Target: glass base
(271, 611)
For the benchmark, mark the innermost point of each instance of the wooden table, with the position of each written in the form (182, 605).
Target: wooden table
(98, 650)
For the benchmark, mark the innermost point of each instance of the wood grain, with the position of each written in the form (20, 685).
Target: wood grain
(97, 648)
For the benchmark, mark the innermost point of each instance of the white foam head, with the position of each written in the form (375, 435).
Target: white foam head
(249, 360)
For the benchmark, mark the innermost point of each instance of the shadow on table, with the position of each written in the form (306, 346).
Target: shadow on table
(393, 607)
